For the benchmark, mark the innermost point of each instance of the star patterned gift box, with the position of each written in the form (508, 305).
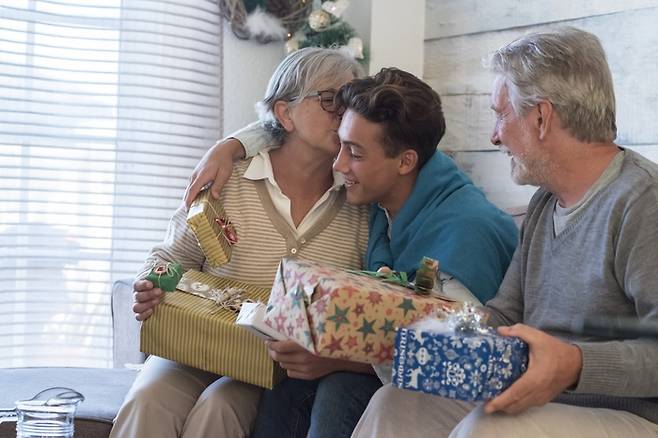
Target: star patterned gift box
(470, 367)
(212, 228)
(195, 325)
(340, 314)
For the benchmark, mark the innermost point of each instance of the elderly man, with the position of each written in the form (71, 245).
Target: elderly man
(587, 248)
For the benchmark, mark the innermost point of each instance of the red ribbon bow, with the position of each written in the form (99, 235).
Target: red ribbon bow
(160, 269)
(228, 230)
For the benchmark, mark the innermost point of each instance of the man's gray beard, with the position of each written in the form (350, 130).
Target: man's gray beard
(523, 177)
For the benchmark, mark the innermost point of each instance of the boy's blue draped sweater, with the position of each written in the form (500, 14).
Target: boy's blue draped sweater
(448, 219)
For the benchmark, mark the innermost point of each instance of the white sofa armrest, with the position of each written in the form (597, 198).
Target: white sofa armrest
(124, 325)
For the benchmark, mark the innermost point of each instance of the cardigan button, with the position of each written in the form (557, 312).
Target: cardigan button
(293, 251)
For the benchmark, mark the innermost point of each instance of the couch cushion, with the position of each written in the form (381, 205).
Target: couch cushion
(104, 391)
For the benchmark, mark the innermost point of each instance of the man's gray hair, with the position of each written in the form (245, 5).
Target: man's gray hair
(301, 73)
(567, 67)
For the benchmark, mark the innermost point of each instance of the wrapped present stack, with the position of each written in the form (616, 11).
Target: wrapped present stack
(212, 228)
(195, 325)
(457, 358)
(340, 314)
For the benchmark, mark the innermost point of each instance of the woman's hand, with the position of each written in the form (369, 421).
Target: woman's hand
(146, 298)
(216, 166)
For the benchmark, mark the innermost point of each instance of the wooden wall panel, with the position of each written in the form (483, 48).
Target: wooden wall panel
(445, 18)
(453, 67)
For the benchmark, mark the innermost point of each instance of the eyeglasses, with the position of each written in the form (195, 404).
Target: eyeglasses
(327, 99)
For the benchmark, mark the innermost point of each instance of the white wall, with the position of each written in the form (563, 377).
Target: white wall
(248, 66)
(397, 31)
(459, 33)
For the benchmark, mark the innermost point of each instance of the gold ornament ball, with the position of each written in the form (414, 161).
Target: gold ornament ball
(319, 20)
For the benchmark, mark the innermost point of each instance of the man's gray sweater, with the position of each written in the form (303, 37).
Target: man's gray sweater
(604, 263)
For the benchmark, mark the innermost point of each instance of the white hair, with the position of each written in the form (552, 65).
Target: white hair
(301, 73)
(567, 67)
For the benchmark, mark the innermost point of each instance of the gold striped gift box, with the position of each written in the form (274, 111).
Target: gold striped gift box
(211, 227)
(195, 331)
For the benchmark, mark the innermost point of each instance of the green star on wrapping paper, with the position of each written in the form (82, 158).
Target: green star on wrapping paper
(309, 339)
(407, 304)
(320, 328)
(339, 317)
(366, 328)
(298, 297)
(387, 327)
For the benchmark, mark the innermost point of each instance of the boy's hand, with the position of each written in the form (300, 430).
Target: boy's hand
(299, 362)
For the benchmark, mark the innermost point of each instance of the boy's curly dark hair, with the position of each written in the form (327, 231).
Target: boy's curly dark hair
(408, 110)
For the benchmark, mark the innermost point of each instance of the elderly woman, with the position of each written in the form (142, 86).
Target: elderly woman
(283, 202)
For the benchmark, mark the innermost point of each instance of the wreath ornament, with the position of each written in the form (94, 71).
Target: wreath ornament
(300, 23)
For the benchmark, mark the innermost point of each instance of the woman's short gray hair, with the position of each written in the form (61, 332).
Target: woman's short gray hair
(567, 67)
(301, 73)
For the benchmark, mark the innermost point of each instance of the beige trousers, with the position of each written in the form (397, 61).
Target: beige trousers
(394, 412)
(170, 400)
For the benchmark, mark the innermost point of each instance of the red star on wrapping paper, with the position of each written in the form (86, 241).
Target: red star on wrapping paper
(374, 298)
(358, 309)
(313, 279)
(299, 321)
(320, 292)
(291, 330)
(428, 308)
(280, 321)
(351, 290)
(334, 345)
(351, 342)
(320, 307)
(385, 353)
(389, 311)
(368, 348)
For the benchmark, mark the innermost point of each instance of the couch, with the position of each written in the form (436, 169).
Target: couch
(104, 388)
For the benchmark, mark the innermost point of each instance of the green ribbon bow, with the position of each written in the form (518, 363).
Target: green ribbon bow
(393, 277)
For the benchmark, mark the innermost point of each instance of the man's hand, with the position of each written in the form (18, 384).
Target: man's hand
(216, 166)
(301, 363)
(553, 366)
(146, 298)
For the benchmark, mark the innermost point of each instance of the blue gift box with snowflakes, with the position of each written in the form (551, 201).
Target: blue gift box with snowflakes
(462, 366)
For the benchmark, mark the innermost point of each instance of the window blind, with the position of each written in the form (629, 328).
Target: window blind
(105, 107)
